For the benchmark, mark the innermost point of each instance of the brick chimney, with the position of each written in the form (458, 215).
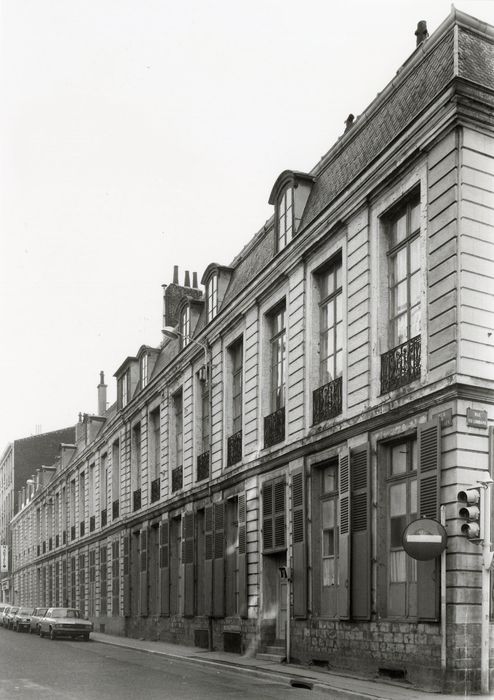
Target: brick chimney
(421, 32)
(173, 294)
(102, 394)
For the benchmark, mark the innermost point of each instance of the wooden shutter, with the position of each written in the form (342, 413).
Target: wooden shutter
(273, 516)
(299, 573)
(267, 516)
(188, 562)
(343, 606)
(219, 560)
(164, 540)
(126, 574)
(428, 485)
(242, 556)
(208, 559)
(143, 573)
(360, 603)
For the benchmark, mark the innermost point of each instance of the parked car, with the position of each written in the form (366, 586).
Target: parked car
(9, 618)
(38, 613)
(3, 610)
(65, 622)
(22, 619)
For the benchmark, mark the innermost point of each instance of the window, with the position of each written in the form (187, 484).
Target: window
(284, 219)
(154, 444)
(325, 538)
(144, 371)
(177, 441)
(103, 483)
(82, 502)
(115, 478)
(136, 466)
(234, 444)
(278, 358)
(124, 389)
(185, 327)
(212, 297)
(331, 324)
(404, 273)
(401, 490)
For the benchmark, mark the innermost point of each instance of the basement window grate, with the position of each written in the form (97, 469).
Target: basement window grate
(395, 674)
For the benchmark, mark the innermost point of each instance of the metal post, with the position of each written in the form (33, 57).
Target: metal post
(443, 603)
(485, 509)
(288, 614)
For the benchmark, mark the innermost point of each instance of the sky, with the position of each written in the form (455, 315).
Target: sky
(136, 135)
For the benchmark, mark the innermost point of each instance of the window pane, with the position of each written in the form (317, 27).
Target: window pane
(400, 330)
(329, 479)
(397, 526)
(339, 315)
(415, 218)
(413, 449)
(415, 289)
(400, 228)
(400, 265)
(397, 500)
(339, 363)
(328, 572)
(399, 459)
(328, 514)
(397, 567)
(413, 499)
(328, 543)
(415, 321)
(414, 249)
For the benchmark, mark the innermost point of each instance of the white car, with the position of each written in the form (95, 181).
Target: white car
(65, 622)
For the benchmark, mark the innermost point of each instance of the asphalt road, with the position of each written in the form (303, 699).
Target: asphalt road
(32, 668)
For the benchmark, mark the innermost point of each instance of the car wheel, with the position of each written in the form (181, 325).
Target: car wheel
(40, 632)
(53, 636)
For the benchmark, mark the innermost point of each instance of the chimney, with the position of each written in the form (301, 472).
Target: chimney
(175, 274)
(349, 122)
(194, 280)
(102, 394)
(187, 279)
(421, 32)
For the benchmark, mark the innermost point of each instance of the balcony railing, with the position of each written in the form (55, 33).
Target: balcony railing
(104, 517)
(155, 490)
(177, 478)
(234, 449)
(136, 499)
(72, 532)
(115, 509)
(92, 523)
(203, 466)
(82, 528)
(274, 427)
(401, 365)
(326, 401)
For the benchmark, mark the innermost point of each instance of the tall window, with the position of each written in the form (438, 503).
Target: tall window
(179, 428)
(115, 475)
(285, 218)
(144, 371)
(90, 490)
(124, 390)
(212, 296)
(204, 388)
(236, 353)
(278, 357)
(404, 273)
(331, 324)
(103, 482)
(402, 509)
(154, 443)
(136, 455)
(185, 327)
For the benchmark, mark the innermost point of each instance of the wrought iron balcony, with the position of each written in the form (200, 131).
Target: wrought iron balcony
(82, 528)
(136, 499)
(234, 449)
(104, 517)
(203, 466)
(401, 365)
(92, 523)
(274, 427)
(155, 490)
(115, 509)
(326, 401)
(177, 478)
(72, 532)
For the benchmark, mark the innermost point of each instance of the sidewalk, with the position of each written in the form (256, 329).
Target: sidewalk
(342, 685)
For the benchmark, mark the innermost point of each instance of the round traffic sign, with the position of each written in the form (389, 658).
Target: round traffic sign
(424, 539)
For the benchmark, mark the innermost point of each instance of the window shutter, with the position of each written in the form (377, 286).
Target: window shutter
(428, 484)
(273, 516)
(267, 516)
(143, 573)
(126, 573)
(360, 533)
(279, 514)
(188, 562)
(219, 560)
(299, 573)
(344, 537)
(242, 556)
(164, 567)
(208, 559)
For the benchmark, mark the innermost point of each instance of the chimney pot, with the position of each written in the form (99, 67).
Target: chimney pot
(194, 280)
(175, 274)
(101, 394)
(187, 279)
(421, 32)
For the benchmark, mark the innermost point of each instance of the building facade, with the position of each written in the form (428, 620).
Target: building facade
(251, 485)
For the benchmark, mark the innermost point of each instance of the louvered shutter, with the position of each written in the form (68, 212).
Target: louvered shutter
(279, 514)
(143, 573)
(219, 560)
(428, 484)
(267, 516)
(208, 559)
(299, 573)
(188, 562)
(360, 533)
(164, 567)
(344, 537)
(126, 574)
(242, 556)
(274, 516)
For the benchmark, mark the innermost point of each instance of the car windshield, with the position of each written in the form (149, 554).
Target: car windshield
(65, 612)
(25, 611)
(14, 610)
(40, 611)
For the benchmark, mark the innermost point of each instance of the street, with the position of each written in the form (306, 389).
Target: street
(34, 669)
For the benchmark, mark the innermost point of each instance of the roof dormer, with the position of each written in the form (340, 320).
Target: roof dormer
(127, 376)
(289, 196)
(189, 312)
(216, 279)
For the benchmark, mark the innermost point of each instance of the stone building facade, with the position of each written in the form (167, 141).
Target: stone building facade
(250, 487)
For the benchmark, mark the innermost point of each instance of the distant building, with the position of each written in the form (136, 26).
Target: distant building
(30, 459)
(250, 487)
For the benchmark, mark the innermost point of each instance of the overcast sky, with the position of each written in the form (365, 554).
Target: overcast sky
(140, 134)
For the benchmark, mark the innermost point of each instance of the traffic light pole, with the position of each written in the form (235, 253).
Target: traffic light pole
(485, 509)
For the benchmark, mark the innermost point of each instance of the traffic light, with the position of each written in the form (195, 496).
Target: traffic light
(470, 512)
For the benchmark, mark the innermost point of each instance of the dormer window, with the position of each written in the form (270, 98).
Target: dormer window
(184, 327)
(124, 389)
(144, 370)
(289, 196)
(284, 219)
(212, 296)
